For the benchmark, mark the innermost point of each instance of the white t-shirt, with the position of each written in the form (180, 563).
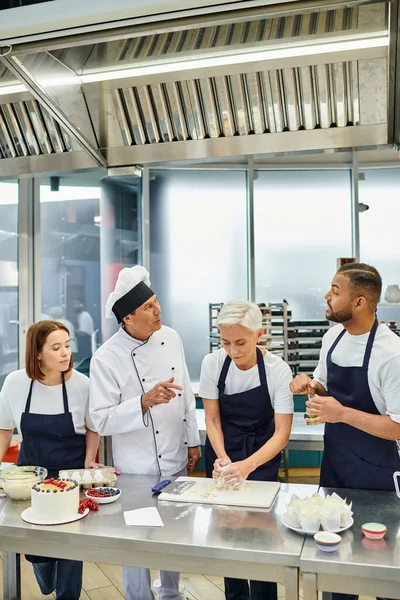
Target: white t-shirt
(277, 371)
(85, 322)
(384, 364)
(46, 400)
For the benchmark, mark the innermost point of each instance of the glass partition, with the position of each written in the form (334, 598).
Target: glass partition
(89, 231)
(380, 233)
(198, 249)
(302, 226)
(9, 329)
(70, 245)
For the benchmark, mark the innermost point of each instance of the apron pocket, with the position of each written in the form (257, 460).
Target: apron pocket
(388, 459)
(368, 476)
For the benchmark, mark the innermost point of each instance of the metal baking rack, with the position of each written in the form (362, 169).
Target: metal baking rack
(274, 321)
(304, 344)
(297, 342)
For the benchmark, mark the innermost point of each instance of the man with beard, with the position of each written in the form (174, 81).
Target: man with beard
(357, 386)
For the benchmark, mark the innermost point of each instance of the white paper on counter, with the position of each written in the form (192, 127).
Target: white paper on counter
(145, 517)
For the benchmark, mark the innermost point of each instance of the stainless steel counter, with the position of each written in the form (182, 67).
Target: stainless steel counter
(302, 437)
(305, 437)
(360, 566)
(196, 538)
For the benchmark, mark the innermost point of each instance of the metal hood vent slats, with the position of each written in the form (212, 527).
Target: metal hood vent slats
(27, 129)
(229, 35)
(302, 98)
(273, 79)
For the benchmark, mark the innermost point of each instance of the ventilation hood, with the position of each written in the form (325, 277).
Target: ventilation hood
(237, 79)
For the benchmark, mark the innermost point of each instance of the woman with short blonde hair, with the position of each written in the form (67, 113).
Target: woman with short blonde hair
(249, 410)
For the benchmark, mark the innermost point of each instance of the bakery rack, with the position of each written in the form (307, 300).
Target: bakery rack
(304, 344)
(274, 321)
(297, 342)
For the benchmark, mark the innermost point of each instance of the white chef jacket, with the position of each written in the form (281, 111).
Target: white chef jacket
(121, 371)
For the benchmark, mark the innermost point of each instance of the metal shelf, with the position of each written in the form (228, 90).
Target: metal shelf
(273, 313)
(302, 339)
(305, 351)
(311, 328)
(277, 325)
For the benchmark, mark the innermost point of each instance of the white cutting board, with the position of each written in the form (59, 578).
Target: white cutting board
(255, 494)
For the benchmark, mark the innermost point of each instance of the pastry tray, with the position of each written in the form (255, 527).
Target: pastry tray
(109, 477)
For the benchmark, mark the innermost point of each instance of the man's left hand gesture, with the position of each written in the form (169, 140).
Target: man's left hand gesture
(326, 409)
(194, 455)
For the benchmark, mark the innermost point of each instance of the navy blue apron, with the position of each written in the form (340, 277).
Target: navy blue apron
(247, 422)
(50, 441)
(353, 458)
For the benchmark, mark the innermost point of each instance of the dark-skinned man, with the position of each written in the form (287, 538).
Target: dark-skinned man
(357, 386)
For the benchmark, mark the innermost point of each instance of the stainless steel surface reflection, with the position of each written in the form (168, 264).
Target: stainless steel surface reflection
(357, 556)
(209, 539)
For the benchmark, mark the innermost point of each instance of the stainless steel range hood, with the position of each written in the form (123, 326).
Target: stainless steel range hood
(258, 80)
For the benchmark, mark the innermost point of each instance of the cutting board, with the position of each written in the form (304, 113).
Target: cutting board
(254, 494)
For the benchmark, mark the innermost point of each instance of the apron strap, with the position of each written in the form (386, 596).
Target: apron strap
(370, 343)
(28, 400)
(368, 348)
(64, 393)
(261, 371)
(335, 343)
(261, 368)
(224, 373)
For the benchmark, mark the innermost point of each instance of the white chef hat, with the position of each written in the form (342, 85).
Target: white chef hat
(131, 291)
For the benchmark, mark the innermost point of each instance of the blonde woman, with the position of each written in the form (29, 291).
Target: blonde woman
(249, 410)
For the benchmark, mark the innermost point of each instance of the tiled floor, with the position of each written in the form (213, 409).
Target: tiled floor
(104, 582)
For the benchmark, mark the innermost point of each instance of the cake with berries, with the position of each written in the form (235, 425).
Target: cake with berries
(55, 499)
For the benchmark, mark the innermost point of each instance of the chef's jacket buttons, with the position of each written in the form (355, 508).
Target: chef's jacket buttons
(133, 354)
(173, 368)
(184, 420)
(157, 432)
(143, 380)
(185, 443)
(179, 394)
(159, 456)
(162, 343)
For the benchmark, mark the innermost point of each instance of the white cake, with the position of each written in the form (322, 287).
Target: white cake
(55, 499)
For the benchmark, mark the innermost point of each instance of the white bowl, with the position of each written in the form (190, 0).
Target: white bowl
(107, 500)
(17, 482)
(326, 541)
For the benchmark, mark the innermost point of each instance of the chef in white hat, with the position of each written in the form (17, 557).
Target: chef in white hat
(140, 394)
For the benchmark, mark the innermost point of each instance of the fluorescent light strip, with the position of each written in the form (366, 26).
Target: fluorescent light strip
(12, 89)
(45, 83)
(218, 61)
(379, 41)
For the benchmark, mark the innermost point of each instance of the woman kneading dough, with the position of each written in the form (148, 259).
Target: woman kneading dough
(249, 411)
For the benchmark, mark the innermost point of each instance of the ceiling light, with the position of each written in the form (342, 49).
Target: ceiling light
(298, 49)
(378, 41)
(12, 89)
